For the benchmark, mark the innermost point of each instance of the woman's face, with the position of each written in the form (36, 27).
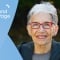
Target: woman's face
(41, 28)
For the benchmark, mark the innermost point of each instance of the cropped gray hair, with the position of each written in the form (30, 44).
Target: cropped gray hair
(44, 7)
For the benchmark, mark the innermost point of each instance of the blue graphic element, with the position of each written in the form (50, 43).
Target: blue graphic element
(8, 51)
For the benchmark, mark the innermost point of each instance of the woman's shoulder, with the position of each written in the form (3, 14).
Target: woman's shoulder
(25, 46)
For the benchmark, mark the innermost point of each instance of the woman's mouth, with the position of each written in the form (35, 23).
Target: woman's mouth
(41, 36)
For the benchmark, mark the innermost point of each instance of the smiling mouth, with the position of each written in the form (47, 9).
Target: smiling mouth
(41, 36)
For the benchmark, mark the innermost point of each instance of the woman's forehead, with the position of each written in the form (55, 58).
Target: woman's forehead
(41, 17)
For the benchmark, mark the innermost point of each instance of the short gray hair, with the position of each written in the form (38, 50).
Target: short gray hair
(44, 7)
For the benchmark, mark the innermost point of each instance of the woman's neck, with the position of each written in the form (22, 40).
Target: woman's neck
(42, 49)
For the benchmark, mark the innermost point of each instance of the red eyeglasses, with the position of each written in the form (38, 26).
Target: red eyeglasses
(45, 25)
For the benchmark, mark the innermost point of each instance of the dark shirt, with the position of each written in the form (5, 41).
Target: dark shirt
(27, 51)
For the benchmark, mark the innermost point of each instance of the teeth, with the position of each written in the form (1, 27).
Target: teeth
(41, 36)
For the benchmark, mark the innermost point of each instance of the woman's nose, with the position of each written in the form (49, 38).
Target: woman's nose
(41, 29)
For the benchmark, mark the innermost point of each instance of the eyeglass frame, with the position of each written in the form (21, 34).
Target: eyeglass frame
(41, 24)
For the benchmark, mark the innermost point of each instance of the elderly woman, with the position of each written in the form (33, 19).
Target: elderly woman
(42, 26)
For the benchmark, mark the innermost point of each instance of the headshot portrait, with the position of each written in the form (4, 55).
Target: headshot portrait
(42, 26)
(36, 29)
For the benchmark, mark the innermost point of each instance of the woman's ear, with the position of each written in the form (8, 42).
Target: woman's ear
(56, 30)
(29, 30)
